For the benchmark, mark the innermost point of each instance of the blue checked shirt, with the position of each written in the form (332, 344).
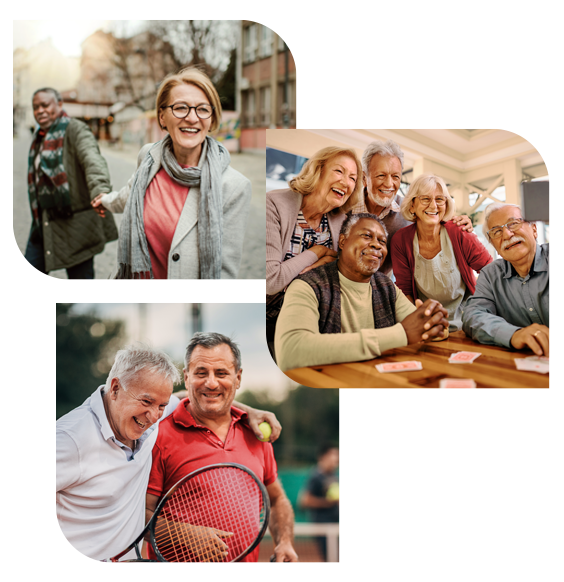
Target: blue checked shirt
(504, 302)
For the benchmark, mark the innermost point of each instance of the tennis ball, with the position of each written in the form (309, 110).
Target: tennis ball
(266, 431)
(333, 492)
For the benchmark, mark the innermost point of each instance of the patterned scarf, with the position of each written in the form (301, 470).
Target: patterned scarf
(133, 252)
(49, 189)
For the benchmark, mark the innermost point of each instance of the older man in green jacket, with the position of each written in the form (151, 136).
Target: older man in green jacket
(65, 172)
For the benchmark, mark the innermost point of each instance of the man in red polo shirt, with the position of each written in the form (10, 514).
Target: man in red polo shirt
(206, 429)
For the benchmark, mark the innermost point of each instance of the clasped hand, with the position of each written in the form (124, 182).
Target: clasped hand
(429, 320)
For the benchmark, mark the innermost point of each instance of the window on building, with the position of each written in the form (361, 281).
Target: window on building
(250, 44)
(292, 33)
(265, 106)
(290, 108)
(248, 108)
(265, 49)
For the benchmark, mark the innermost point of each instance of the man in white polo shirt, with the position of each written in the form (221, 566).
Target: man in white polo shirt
(104, 450)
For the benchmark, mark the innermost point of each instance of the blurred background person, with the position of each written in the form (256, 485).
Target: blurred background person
(65, 172)
(433, 258)
(185, 209)
(320, 497)
(303, 222)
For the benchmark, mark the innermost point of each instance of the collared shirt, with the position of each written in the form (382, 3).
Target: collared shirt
(184, 445)
(101, 483)
(505, 302)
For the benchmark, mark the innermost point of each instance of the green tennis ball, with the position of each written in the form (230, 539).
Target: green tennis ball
(266, 431)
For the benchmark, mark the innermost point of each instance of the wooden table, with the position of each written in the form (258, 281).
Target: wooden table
(495, 368)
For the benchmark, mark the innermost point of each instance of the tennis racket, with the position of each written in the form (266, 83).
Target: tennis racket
(184, 528)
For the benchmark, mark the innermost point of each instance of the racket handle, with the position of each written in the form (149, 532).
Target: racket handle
(273, 558)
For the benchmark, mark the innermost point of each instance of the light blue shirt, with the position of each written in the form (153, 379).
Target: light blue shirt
(505, 302)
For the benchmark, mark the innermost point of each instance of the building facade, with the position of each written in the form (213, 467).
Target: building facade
(267, 84)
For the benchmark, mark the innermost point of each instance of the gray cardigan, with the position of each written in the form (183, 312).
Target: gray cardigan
(236, 190)
(282, 208)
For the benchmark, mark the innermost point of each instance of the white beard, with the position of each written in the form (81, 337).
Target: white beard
(385, 202)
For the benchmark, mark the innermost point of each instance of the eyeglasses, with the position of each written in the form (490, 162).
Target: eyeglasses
(182, 110)
(513, 225)
(426, 200)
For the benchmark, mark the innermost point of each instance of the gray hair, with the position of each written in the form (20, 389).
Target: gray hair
(491, 208)
(422, 185)
(352, 219)
(136, 359)
(388, 148)
(210, 340)
(53, 92)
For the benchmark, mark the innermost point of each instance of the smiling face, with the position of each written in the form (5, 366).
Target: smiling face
(187, 134)
(337, 182)
(46, 109)
(131, 412)
(429, 214)
(383, 179)
(362, 251)
(516, 247)
(211, 381)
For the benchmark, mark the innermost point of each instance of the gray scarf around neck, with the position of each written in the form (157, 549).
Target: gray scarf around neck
(133, 252)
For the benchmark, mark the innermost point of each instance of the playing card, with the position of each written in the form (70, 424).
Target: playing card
(399, 366)
(532, 364)
(457, 383)
(463, 357)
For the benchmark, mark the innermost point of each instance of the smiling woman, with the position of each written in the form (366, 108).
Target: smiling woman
(303, 222)
(433, 258)
(185, 209)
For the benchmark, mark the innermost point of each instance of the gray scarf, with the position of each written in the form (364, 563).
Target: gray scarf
(133, 252)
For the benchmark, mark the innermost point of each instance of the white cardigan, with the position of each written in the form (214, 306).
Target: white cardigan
(183, 258)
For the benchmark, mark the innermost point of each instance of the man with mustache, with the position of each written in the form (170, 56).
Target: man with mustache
(346, 311)
(510, 305)
(382, 165)
(104, 452)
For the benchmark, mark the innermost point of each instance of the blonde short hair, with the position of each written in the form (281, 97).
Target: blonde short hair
(190, 76)
(423, 185)
(308, 179)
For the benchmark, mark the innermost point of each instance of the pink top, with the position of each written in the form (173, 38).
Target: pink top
(164, 201)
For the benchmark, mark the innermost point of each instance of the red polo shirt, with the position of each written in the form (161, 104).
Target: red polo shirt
(183, 446)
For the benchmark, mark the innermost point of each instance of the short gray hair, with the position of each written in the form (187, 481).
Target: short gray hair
(53, 92)
(426, 184)
(210, 340)
(352, 219)
(378, 147)
(133, 360)
(491, 208)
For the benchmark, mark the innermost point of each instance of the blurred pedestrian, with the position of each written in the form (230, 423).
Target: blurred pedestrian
(65, 172)
(321, 493)
(185, 209)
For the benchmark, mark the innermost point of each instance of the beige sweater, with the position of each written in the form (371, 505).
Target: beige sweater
(298, 342)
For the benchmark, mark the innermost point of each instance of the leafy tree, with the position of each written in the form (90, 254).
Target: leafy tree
(86, 346)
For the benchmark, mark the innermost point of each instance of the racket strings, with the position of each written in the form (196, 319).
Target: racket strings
(224, 499)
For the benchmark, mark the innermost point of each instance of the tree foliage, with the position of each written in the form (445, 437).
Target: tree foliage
(86, 346)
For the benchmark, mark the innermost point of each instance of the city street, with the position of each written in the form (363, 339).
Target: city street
(122, 164)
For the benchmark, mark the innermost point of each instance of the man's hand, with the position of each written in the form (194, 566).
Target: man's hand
(258, 416)
(97, 205)
(464, 222)
(284, 552)
(428, 321)
(203, 543)
(323, 261)
(533, 336)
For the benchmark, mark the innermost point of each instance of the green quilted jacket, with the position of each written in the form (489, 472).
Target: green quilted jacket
(68, 242)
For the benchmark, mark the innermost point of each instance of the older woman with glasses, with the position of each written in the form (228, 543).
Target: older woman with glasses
(303, 221)
(185, 209)
(433, 258)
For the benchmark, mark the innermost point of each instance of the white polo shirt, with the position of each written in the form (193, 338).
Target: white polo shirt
(101, 483)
